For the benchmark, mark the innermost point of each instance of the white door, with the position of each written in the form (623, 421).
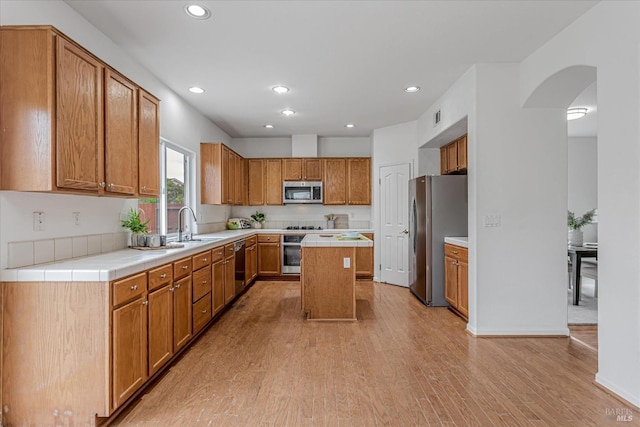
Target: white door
(394, 224)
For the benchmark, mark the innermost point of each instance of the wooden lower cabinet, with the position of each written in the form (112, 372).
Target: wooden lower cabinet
(364, 260)
(160, 327)
(129, 349)
(217, 279)
(269, 255)
(251, 263)
(201, 312)
(456, 278)
(182, 312)
(229, 278)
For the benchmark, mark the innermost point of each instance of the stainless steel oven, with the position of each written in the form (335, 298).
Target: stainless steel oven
(302, 192)
(291, 253)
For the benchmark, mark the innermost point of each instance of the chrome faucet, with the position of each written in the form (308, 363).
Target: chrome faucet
(180, 221)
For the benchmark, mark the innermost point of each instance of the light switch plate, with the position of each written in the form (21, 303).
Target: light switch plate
(347, 262)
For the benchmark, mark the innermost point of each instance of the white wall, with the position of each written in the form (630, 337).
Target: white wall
(583, 180)
(607, 37)
(396, 144)
(179, 123)
(281, 147)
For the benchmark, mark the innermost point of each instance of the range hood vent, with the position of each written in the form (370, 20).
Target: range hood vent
(304, 145)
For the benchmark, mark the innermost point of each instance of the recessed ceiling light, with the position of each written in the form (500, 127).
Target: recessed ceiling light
(412, 89)
(280, 89)
(196, 89)
(196, 11)
(576, 113)
(288, 112)
(349, 125)
(269, 126)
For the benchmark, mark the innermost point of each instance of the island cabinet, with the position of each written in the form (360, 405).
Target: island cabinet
(269, 255)
(68, 118)
(456, 273)
(347, 181)
(364, 260)
(297, 169)
(201, 294)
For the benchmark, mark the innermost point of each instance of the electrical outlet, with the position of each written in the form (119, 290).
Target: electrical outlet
(493, 220)
(347, 262)
(38, 221)
(76, 219)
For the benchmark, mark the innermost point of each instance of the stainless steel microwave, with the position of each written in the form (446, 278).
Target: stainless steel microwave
(302, 192)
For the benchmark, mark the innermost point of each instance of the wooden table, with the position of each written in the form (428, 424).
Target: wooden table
(576, 253)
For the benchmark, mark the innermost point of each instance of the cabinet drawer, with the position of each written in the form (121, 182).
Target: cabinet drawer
(201, 260)
(229, 250)
(160, 276)
(269, 238)
(217, 254)
(201, 313)
(129, 288)
(457, 252)
(250, 241)
(201, 283)
(181, 268)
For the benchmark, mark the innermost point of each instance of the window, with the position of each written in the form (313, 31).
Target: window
(178, 189)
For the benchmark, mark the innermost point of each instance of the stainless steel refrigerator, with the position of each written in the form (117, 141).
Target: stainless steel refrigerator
(438, 208)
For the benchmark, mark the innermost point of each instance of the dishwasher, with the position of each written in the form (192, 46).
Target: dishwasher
(240, 265)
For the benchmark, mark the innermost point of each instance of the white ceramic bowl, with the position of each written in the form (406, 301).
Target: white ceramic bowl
(351, 234)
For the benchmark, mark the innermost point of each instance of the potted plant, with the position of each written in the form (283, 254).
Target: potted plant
(137, 227)
(575, 225)
(257, 219)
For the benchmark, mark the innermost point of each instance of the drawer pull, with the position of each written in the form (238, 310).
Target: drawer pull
(204, 311)
(455, 252)
(163, 276)
(184, 267)
(204, 282)
(134, 288)
(204, 260)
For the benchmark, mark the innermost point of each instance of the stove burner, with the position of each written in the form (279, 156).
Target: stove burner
(304, 227)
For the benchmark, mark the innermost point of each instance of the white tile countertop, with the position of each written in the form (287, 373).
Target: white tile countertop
(115, 265)
(458, 241)
(334, 240)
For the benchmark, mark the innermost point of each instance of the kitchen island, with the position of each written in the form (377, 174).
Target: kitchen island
(328, 276)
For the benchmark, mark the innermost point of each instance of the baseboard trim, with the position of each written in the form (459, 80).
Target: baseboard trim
(518, 334)
(613, 391)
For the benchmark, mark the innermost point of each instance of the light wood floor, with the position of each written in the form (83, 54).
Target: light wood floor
(401, 364)
(585, 334)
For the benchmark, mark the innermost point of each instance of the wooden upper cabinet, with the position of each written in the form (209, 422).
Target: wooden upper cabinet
(231, 177)
(256, 182)
(312, 170)
(121, 134)
(462, 153)
(222, 175)
(68, 118)
(359, 181)
(79, 125)
(292, 169)
(148, 144)
(335, 182)
(240, 180)
(224, 168)
(302, 169)
(453, 157)
(273, 181)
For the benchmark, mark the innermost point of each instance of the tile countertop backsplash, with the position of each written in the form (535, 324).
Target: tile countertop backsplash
(116, 260)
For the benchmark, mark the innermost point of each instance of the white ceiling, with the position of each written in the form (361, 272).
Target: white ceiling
(345, 61)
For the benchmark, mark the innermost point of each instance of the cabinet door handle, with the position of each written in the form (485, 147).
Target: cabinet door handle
(134, 287)
(163, 276)
(145, 302)
(178, 286)
(111, 185)
(102, 184)
(144, 188)
(171, 289)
